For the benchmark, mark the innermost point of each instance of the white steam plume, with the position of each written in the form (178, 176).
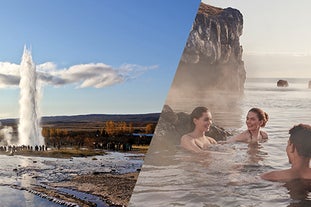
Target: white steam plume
(29, 131)
(6, 132)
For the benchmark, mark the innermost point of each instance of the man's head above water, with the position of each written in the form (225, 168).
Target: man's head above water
(298, 151)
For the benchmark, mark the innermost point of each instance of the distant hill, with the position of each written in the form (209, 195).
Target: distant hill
(151, 117)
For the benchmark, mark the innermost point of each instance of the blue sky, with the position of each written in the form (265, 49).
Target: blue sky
(140, 41)
(276, 36)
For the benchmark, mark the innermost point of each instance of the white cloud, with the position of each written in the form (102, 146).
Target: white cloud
(9, 74)
(97, 75)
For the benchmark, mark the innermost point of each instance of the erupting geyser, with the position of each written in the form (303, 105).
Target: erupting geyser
(29, 130)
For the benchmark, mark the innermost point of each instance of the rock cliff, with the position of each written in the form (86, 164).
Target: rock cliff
(212, 57)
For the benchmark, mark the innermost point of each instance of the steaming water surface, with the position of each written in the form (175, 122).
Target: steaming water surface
(229, 174)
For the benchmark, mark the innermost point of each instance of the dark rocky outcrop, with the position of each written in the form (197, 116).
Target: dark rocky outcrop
(282, 83)
(212, 58)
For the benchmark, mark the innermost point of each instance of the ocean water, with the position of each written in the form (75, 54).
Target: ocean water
(230, 174)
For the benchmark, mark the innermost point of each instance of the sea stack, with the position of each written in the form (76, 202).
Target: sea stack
(212, 58)
(282, 83)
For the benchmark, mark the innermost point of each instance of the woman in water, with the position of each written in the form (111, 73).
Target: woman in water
(196, 141)
(255, 119)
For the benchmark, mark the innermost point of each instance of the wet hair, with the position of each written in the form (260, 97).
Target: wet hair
(197, 113)
(300, 136)
(261, 115)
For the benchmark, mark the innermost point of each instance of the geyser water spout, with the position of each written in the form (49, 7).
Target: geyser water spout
(29, 131)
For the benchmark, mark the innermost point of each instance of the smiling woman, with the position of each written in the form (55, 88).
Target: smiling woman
(196, 141)
(255, 119)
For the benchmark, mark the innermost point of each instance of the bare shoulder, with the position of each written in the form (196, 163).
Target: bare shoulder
(264, 134)
(269, 176)
(185, 139)
(187, 143)
(281, 175)
(242, 137)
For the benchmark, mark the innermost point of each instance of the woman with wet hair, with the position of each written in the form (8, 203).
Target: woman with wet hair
(196, 140)
(256, 119)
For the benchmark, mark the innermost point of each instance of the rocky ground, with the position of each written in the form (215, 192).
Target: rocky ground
(112, 190)
(115, 189)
